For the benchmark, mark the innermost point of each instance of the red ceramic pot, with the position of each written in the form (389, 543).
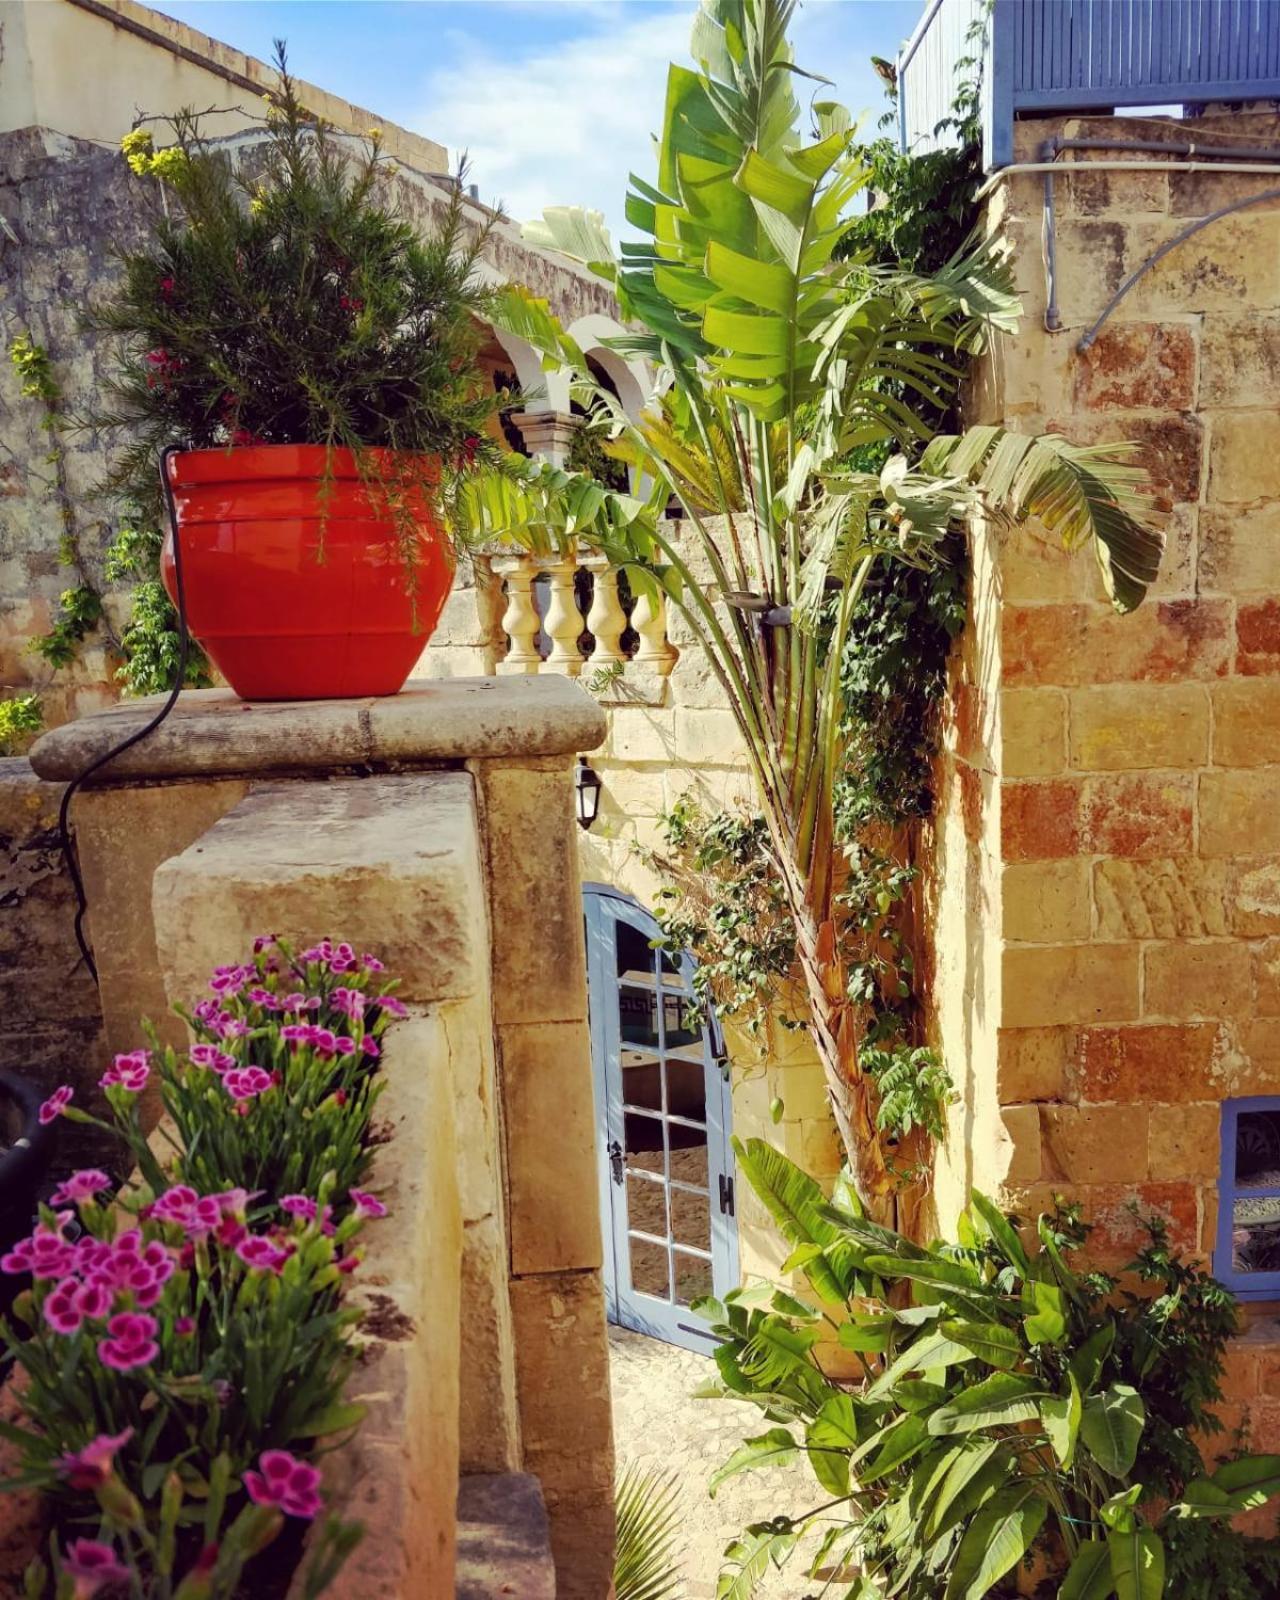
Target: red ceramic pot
(295, 582)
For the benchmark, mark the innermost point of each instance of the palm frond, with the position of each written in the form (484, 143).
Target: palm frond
(1079, 492)
(646, 1564)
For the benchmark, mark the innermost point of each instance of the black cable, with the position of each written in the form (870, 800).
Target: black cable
(180, 678)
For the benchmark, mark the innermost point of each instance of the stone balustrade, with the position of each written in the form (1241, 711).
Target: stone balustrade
(572, 615)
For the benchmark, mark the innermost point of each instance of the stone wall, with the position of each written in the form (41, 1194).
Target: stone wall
(68, 203)
(436, 828)
(1107, 857)
(52, 1020)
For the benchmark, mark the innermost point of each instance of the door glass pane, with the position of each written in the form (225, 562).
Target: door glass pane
(691, 1218)
(644, 1144)
(683, 1021)
(635, 954)
(638, 1017)
(641, 1080)
(647, 1205)
(1258, 1150)
(686, 1089)
(689, 1164)
(649, 1268)
(693, 1278)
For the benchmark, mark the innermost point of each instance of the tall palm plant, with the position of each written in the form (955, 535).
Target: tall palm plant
(782, 371)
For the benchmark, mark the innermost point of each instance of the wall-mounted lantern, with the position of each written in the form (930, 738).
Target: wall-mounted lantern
(586, 792)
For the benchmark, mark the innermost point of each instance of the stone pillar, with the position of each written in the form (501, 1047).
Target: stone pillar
(436, 829)
(548, 434)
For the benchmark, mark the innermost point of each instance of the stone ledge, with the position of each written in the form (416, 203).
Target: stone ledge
(212, 732)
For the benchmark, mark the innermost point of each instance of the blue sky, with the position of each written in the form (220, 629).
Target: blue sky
(555, 100)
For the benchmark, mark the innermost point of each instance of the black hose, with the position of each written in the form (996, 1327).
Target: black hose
(180, 678)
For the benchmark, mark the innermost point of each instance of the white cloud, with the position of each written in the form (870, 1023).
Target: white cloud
(563, 122)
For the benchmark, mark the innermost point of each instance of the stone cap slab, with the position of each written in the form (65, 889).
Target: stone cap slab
(438, 721)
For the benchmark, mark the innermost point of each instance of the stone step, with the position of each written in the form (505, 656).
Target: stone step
(504, 1540)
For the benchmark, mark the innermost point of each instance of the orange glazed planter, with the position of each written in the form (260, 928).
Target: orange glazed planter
(295, 581)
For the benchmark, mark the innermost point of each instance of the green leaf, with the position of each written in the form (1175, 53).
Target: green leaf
(1000, 1400)
(901, 1441)
(646, 1564)
(1002, 1231)
(1137, 1564)
(797, 1205)
(1046, 1319)
(1061, 1417)
(1086, 1364)
(1111, 1428)
(995, 1541)
(1089, 1576)
(336, 1418)
(766, 1450)
(923, 1354)
(970, 1458)
(990, 1342)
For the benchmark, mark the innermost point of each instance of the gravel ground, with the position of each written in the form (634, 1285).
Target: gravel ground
(657, 1423)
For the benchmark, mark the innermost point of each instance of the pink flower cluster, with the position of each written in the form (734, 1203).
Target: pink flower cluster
(200, 1215)
(246, 1083)
(132, 1342)
(286, 1482)
(301, 1205)
(82, 1185)
(322, 1040)
(93, 1463)
(128, 1072)
(92, 1565)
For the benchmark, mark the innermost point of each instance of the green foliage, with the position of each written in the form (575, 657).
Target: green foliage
(150, 641)
(1014, 1404)
(35, 372)
(79, 613)
(284, 301)
(645, 1563)
(20, 717)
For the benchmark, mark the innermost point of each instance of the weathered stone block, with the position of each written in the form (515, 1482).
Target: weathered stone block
(1246, 721)
(1138, 366)
(1138, 814)
(1266, 976)
(1071, 645)
(398, 874)
(1239, 549)
(1244, 456)
(504, 1540)
(1127, 726)
(1033, 726)
(1185, 1141)
(535, 904)
(1160, 899)
(1240, 359)
(1236, 262)
(1258, 637)
(707, 737)
(563, 1365)
(1197, 979)
(641, 733)
(1152, 1063)
(551, 1146)
(1040, 821)
(1025, 1154)
(1032, 1063)
(1253, 899)
(1069, 983)
(1238, 813)
(1046, 902)
(1096, 1144)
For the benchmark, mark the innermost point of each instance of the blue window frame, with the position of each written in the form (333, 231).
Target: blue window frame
(1247, 1257)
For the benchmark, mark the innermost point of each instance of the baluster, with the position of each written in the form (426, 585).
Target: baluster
(649, 619)
(606, 621)
(520, 620)
(562, 622)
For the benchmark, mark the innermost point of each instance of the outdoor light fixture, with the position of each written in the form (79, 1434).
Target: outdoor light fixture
(586, 792)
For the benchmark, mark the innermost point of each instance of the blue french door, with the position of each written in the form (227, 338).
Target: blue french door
(663, 1122)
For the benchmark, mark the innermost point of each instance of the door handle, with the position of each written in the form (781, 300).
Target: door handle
(615, 1162)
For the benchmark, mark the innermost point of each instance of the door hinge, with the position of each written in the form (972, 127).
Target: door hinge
(726, 1194)
(615, 1162)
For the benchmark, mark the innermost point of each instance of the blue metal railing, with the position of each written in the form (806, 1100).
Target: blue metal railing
(1082, 55)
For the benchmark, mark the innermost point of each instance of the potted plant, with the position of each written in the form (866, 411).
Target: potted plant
(313, 356)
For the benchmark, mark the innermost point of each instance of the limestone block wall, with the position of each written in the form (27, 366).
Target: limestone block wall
(1107, 860)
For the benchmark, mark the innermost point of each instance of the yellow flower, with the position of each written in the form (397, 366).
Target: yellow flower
(169, 164)
(373, 133)
(136, 146)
